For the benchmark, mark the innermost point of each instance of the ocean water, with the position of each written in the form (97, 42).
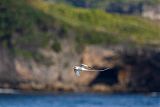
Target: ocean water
(79, 100)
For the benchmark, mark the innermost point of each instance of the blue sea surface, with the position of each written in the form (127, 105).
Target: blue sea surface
(79, 100)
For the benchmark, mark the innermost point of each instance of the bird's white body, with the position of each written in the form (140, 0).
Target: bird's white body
(83, 67)
(78, 69)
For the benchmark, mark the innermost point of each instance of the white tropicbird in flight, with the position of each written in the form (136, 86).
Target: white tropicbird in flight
(83, 67)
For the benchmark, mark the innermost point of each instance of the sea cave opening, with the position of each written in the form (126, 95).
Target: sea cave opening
(108, 77)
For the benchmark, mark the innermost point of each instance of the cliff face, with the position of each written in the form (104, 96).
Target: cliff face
(8, 73)
(130, 70)
(135, 69)
(39, 53)
(145, 69)
(53, 73)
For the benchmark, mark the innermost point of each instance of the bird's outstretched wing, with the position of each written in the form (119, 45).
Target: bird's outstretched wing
(85, 66)
(94, 70)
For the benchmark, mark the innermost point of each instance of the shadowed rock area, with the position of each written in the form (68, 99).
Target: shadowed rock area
(131, 69)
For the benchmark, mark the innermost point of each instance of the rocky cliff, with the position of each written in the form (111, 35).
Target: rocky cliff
(41, 42)
(131, 70)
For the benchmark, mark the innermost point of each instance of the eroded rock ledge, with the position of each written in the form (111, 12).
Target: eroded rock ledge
(131, 70)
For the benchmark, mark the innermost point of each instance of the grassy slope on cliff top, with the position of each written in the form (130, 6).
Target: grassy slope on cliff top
(103, 4)
(97, 26)
(30, 25)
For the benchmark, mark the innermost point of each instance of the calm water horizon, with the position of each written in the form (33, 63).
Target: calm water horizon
(79, 100)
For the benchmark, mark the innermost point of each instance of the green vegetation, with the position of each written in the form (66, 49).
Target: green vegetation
(102, 4)
(22, 28)
(27, 26)
(56, 46)
(96, 26)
